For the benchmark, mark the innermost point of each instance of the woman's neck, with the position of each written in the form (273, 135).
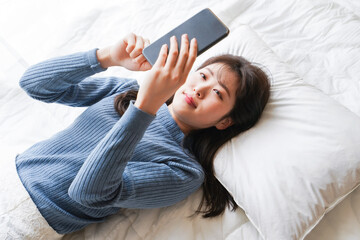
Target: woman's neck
(183, 127)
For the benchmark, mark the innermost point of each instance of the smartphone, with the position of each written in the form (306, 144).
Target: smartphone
(205, 26)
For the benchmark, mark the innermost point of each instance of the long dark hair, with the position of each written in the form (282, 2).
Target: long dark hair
(252, 95)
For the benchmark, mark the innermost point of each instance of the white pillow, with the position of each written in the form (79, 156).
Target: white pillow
(302, 157)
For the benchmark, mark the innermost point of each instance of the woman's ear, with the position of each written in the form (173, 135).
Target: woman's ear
(225, 123)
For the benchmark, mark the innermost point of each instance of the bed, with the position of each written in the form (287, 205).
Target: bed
(295, 175)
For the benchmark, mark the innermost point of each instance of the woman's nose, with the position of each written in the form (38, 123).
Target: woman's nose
(200, 91)
(197, 93)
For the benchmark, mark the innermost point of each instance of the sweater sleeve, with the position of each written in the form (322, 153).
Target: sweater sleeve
(107, 179)
(67, 80)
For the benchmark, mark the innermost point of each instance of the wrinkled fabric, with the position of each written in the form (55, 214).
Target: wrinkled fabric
(19, 217)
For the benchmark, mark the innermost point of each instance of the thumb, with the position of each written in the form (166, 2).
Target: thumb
(145, 66)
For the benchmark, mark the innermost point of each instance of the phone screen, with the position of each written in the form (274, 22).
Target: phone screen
(205, 26)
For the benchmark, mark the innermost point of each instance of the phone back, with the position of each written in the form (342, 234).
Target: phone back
(205, 26)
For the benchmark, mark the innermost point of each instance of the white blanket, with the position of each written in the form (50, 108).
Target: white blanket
(319, 39)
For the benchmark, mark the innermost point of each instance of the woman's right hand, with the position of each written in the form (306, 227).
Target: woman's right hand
(167, 75)
(126, 53)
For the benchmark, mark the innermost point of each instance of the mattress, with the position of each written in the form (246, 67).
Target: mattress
(319, 40)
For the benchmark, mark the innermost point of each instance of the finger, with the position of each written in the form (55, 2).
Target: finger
(162, 56)
(184, 52)
(140, 59)
(138, 47)
(143, 63)
(130, 42)
(173, 53)
(192, 56)
(147, 42)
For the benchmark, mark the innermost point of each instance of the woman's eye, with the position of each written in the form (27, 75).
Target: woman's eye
(203, 76)
(218, 93)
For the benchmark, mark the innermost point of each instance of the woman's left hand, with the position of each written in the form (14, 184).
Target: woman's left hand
(169, 72)
(126, 53)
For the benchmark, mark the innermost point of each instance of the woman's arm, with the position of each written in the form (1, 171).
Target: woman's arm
(67, 79)
(107, 179)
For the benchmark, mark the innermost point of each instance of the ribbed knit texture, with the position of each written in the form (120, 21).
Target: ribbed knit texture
(102, 162)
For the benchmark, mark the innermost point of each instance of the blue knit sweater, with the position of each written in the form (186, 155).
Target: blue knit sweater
(102, 162)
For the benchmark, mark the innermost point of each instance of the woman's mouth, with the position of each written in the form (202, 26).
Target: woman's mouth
(189, 100)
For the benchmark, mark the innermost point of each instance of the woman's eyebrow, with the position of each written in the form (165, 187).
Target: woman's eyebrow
(221, 83)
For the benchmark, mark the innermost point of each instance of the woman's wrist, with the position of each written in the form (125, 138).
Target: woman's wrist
(104, 57)
(152, 109)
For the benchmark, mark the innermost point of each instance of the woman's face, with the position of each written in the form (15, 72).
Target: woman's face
(204, 99)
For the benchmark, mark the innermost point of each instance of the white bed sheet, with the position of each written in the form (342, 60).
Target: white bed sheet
(320, 40)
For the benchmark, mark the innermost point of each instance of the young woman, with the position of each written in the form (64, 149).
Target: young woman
(128, 149)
